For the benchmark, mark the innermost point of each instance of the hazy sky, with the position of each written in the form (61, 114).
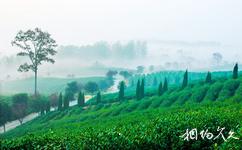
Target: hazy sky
(79, 21)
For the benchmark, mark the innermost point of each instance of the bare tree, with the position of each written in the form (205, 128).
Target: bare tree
(38, 46)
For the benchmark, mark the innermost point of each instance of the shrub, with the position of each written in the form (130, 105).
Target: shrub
(184, 95)
(198, 94)
(229, 89)
(131, 107)
(213, 92)
(144, 104)
(170, 99)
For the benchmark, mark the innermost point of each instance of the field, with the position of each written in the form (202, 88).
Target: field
(154, 122)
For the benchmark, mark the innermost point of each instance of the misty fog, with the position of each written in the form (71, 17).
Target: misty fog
(95, 36)
(96, 59)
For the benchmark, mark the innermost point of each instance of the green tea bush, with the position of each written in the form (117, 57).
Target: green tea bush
(229, 89)
(131, 107)
(144, 104)
(150, 130)
(199, 93)
(170, 99)
(157, 101)
(184, 95)
(214, 91)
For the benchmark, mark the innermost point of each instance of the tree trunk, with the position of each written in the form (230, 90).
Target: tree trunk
(35, 82)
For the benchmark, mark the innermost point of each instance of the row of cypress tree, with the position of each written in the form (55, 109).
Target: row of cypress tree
(140, 89)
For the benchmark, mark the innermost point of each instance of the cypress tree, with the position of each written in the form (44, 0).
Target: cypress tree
(98, 97)
(209, 78)
(138, 90)
(83, 99)
(142, 89)
(165, 86)
(67, 100)
(79, 99)
(185, 80)
(47, 106)
(160, 89)
(235, 71)
(121, 90)
(155, 81)
(60, 102)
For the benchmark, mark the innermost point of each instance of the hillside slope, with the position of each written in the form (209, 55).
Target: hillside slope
(151, 123)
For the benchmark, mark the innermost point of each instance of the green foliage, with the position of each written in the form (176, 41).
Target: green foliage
(235, 71)
(98, 97)
(213, 92)
(80, 99)
(121, 90)
(144, 104)
(138, 90)
(154, 122)
(72, 87)
(229, 89)
(199, 93)
(47, 106)
(91, 87)
(238, 94)
(208, 78)
(184, 96)
(67, 99)
(160, 89)
(155, 82)
(60, 102)
(165, 87)
(38, 46)
(5, 114)
(142, 89)
(20, 106)
(185, 79)
(151, 129)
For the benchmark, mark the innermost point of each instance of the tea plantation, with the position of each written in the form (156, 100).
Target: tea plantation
(154, 122)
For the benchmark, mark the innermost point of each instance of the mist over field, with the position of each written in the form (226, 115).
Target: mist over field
(94, 36)
(96, 59)
(127, 74)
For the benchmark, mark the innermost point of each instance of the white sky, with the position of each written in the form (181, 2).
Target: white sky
(81, 22)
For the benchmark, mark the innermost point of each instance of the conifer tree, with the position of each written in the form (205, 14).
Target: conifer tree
(79, 99)
(60, 102)
(138, 90)
(165, 86)
(155, 81)
(121, 90)
(47, 106)
(83, 99)
(98, 97)
(209, 78)
(142, 89)
(160, 89)
(185, 80)
(67, 97)
(235, 71)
